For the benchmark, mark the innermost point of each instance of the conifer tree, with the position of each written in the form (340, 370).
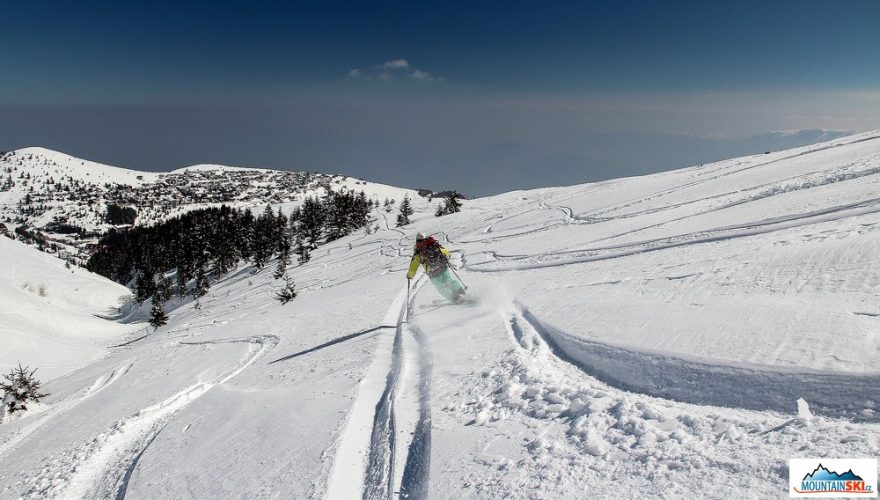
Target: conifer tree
(20, 388)
(337, 212)
(303, 249)
(452, 203)
(226, 251)
(202, 284)
(288, 292)
(246, 234)
(157, 316)
(164, 288)
(145, 286)
(312, 221)
(405, 211)
(282, 247)
(361, 213)
(263, 237)
(184, 275)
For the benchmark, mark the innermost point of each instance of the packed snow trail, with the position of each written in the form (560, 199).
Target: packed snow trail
(58, 409)
(416, 474)
(101, 468)
(379, 475)
(390, 451)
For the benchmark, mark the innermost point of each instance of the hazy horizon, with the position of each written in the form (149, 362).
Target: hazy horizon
(481, 98)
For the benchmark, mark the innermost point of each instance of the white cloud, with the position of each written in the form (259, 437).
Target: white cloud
(394, 69)
(421, 75)
(394, 64)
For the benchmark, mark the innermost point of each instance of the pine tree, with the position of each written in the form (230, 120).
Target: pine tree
(283, 256)
(452, 203)
(158, 317)
(287, 293)
(20, 388)
(145, 287)
(164, 288)
(303, 250)
(282, 245)
(246, 234)
(337, 210)
(405, 211)
(361, 212)
(202, 284)
(225, 250)
(311, 224)
(184, 274)
(441, 211)
(264, 237)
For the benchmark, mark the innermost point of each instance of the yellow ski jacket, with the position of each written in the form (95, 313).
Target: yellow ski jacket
(417, 261)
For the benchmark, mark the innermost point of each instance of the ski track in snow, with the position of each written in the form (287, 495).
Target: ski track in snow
(102, 467)
(60, 408)
(386, 441)
(415, 480)
(799, 182)
(725, 171)
(569, 257)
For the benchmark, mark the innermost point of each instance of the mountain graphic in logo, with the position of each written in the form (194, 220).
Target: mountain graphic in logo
(823, 474)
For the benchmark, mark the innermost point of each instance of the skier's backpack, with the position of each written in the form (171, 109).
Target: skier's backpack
(431, 254)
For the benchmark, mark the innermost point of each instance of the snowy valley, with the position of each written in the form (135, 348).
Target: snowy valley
(639, 337)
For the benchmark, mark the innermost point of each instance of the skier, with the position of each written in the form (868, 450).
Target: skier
(429, 253)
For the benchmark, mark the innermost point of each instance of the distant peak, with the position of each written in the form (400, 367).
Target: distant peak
(38, 150)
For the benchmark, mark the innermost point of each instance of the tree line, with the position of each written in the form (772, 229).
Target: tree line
(178, 256)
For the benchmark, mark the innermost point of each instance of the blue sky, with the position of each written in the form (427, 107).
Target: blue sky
(421, 94)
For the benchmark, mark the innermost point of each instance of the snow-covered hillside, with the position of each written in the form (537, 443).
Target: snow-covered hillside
(66, 198)
(641, 337)
(51, 313)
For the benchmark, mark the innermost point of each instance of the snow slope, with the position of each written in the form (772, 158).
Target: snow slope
(49, 315)
(46, 161)
(641, 337)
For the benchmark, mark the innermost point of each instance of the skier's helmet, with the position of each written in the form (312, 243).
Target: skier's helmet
(420, 236)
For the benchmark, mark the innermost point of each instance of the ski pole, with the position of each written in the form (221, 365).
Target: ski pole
(459, 277)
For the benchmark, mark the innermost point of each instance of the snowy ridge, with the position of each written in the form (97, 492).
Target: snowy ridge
(66, 198)
(41, 160)
(677, 335)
